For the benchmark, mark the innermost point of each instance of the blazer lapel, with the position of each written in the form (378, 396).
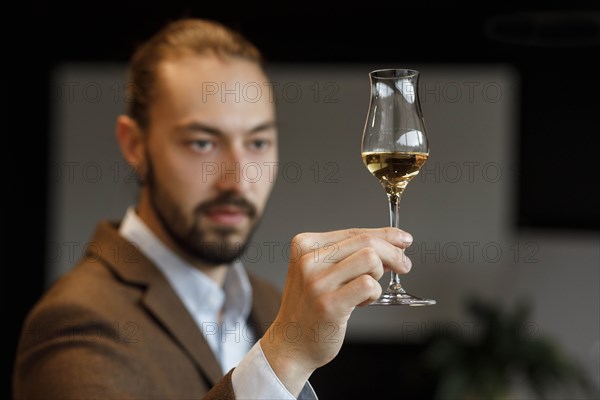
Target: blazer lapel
(163, 303)
(159, 299)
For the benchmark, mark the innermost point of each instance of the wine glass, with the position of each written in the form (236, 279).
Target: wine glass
(394, 148)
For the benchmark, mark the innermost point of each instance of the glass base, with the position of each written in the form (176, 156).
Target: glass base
(401, 298)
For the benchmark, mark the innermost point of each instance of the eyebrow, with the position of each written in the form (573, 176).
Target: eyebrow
(211, 130)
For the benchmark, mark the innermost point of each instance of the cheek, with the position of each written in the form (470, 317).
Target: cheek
(264, 186)
(191, 184)
(182, 181)
(178, 169)
(268, 169)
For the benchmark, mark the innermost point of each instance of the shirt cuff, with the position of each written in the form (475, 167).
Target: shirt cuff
(254, 378)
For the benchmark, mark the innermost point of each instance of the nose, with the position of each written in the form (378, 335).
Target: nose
(231, 172)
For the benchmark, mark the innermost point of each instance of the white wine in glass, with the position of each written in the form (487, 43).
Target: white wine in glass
(394, 148)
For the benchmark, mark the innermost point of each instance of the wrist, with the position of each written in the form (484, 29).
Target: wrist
(285, 361)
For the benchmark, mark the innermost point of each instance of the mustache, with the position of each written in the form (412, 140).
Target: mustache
(228, 199)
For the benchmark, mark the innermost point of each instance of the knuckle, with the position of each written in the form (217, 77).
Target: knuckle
(371, 257)
(367, 283)
(364, 281)
(305, 261)
(396, 235)
(300, 239)
(366, 240)
(392, 235)
(378, 271)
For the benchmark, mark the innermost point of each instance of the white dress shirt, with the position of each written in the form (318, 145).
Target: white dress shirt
(231, 338)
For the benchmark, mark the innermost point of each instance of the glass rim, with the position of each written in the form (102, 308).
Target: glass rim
(394, 73)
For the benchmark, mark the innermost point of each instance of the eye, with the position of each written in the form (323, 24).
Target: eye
(202, 146)
(259, 144)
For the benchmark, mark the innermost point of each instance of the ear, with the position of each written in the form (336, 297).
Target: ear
(131, 141)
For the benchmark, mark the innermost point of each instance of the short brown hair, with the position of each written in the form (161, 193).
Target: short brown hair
(184, 36)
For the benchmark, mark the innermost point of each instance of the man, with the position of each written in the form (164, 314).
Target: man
(160, 306)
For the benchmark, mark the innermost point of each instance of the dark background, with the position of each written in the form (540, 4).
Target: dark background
(551, 44)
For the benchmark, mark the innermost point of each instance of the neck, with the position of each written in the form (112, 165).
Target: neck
(148, 215)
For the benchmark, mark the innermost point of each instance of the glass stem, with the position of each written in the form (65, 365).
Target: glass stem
(394, 202)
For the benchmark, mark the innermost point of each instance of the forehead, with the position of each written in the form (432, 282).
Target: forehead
(212, 88)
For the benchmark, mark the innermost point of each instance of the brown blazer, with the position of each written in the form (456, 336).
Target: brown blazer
(113, 328)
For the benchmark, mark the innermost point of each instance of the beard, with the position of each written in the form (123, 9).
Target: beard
(212, 246)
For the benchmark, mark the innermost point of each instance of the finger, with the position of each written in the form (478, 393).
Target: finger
(360, 291)
(363, 262)
(391, 257)
(394, 236)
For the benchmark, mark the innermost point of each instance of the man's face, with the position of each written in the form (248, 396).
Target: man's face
(211, 153)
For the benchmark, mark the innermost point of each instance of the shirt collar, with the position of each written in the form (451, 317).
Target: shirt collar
(198, 292)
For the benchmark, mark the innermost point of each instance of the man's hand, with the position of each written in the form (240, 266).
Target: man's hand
(329, 275)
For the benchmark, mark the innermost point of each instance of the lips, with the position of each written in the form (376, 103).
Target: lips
(228, 210)
(226, 214)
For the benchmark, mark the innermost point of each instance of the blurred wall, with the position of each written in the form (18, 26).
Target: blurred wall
(460, 209)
